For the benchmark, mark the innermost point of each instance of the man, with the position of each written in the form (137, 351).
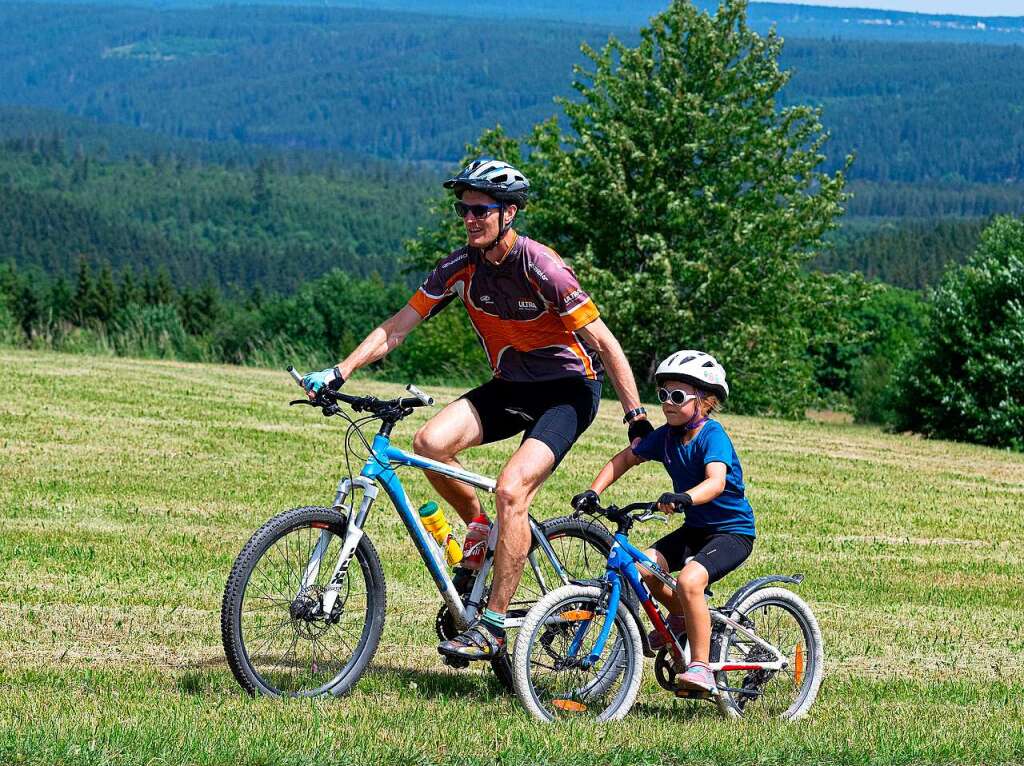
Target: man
(548, 349)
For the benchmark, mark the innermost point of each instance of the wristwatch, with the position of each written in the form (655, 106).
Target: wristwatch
(632, 415)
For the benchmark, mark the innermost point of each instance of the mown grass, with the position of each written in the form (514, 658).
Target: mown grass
(127, 488)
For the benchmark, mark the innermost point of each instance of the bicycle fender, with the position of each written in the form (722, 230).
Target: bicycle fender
(761, 582)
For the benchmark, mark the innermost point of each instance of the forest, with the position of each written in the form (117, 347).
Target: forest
(401, 85)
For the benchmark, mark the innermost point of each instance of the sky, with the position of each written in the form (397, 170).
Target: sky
(962, 7)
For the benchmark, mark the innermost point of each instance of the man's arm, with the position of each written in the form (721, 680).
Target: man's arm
(600, 338)
(381, 341)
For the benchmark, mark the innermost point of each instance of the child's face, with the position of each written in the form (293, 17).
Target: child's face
(677, 414)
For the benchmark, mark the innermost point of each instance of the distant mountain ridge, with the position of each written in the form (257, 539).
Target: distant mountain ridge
(811, 21)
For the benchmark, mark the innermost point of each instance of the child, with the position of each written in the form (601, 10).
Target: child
(718, 533)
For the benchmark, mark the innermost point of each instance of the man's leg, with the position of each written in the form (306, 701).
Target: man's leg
(453, 429)
(520, 479)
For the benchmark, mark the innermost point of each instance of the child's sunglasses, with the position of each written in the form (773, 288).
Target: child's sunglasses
(677, 396)
(478, 211)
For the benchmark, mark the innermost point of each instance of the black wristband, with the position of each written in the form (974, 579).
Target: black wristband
(632, 415)
(339, 380)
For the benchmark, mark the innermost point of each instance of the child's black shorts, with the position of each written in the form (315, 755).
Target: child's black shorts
(717, 552)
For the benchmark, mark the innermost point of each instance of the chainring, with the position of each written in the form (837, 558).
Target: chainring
(665, 670)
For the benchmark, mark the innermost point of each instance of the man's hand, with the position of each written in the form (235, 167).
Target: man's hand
(584, 501)
(638, 429)
(670, 502)
(313, 382)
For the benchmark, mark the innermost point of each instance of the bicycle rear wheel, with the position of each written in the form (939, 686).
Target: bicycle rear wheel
(784, 620)
(582, 548)
(551, 679)
(277, 640)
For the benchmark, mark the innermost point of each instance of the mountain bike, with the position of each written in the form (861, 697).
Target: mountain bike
(304, 606)
(580, 649)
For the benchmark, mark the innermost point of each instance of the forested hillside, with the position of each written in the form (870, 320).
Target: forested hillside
(419, 87)
(244, 227)
(791, 20)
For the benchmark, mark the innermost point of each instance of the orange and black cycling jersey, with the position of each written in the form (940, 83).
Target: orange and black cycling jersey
(526, 310)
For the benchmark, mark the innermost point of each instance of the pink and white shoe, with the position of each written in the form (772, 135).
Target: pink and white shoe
(698, 677)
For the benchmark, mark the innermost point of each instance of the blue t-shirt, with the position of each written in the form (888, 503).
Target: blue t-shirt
(730, 511)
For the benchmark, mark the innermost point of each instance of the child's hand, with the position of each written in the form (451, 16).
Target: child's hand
(670, 502)
(586, 500)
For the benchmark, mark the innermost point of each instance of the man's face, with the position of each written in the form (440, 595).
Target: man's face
(481, 231)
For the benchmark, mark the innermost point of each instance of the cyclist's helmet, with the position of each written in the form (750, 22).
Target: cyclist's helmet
(696, 368)
(494, 178)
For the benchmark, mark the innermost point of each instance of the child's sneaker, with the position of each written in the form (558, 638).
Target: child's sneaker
(676, 624)
(698, 676)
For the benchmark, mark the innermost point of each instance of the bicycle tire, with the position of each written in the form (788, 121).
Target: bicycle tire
(233, 633)
(809, 668)
(626, 647)
(593, 534)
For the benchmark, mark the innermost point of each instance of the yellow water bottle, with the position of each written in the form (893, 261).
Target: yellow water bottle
(435, 523)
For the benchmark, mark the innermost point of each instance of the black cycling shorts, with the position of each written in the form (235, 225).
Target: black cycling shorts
(717, 552)
(555, 412)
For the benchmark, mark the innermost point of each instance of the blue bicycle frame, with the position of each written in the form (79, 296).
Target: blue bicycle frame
(379, 469)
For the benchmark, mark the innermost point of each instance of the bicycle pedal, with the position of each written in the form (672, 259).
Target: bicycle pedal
(454, 662)
(693, 694)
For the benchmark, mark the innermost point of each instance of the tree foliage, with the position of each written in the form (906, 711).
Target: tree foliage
(687, 201)
(965, 382)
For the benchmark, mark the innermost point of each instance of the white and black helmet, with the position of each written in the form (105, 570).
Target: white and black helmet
(696, 368)
(494, 178)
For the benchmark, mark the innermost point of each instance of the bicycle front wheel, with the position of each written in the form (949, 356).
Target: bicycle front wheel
(553, 677)
(784, 620)
(277, 638)
(582, 548)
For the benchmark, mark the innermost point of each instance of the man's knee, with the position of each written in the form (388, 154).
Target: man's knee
(429, 442)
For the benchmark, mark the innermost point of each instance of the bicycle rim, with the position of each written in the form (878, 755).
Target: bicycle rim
(292, 652)
(772, 693)
(560, 686)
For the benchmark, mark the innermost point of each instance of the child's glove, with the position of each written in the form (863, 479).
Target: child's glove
(584, 501)
(675, 501)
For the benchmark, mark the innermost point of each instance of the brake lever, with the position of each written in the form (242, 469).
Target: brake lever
(301, 401)
(652, 516)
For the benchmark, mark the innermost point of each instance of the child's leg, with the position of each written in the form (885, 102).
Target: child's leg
(658, 589)
(689, 601)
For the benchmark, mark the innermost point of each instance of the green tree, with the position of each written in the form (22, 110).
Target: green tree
(688, 201)
(964, 382)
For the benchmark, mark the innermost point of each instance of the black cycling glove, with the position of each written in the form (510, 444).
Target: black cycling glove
(678, 500)
(586, 500)
(639, 429)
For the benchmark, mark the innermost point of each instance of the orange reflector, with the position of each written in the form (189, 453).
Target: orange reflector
(571, 706)
(798, 663)
(318, 525)
(577, 615)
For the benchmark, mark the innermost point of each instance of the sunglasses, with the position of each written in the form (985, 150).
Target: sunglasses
(677, 396)
(478, 211)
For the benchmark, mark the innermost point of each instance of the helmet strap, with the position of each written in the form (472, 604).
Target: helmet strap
(502, 231)
(699, 418)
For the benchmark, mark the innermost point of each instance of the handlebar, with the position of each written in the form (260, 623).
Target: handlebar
(327, 399)
(626, 516)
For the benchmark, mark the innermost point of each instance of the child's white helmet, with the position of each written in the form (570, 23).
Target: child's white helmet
(696, 368)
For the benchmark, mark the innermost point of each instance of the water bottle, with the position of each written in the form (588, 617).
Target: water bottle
(475, 548)
(434, 521)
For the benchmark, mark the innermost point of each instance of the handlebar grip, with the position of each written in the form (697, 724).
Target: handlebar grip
(295, 376)
(423, 397)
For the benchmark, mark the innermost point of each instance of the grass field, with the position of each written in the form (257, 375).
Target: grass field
(128, 487)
